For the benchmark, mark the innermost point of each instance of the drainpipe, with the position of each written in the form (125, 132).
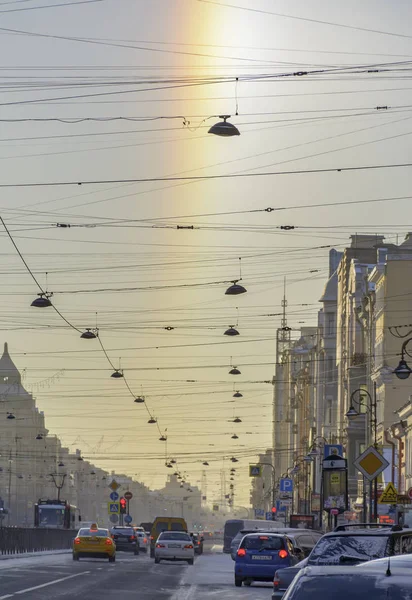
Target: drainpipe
(389, 441)
(400, 458)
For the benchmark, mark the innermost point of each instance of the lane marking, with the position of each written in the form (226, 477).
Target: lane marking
(43, 585)
(7, 596)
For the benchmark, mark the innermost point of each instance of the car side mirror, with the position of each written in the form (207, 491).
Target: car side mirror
(298, 550)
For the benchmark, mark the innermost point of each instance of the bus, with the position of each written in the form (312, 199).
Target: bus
(233, 526)
(56, 514)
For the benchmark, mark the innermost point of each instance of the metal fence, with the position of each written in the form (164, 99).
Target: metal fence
(18, 540)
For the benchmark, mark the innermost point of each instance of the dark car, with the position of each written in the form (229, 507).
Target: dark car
(260, 555)
(125, 539)
(197, 542)
(343, 583)
(349, 545)
(284, 577)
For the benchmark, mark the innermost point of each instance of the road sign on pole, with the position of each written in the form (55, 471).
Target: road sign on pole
(114, 485)
(114, 518)
(128, 519)
(286, 485)
(114, 496)
(128, 495)
(389, 495)
(113, 508)
(371, 463)
(255, 471)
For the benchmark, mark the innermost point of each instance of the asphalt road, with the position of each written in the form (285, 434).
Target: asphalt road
(58, 577)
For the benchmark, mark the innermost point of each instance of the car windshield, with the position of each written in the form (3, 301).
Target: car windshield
(170, 535)
(93, 533)
(341, 549)
(262, 542)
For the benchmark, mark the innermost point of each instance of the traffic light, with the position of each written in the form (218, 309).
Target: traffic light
(123, 504)
(273, 513)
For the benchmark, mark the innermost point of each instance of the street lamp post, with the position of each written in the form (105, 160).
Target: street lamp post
(352, 413)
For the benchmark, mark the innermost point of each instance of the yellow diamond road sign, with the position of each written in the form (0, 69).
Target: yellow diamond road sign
(370, 463)
(389, 495)
(114, 485)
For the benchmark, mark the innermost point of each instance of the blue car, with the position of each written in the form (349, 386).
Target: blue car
(260, 555)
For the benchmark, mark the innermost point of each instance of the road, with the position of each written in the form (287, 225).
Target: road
(57, 577)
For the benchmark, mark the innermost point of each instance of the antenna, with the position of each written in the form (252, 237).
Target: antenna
(388, 570)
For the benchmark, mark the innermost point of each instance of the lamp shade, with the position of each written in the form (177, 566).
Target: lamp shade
(234, 371)
(88, 335)
(117, 374)
(352, 412)
(139, 400)
(235, 289)
(224, 128)
(152, 420)
(402, 371)
(231, 331)
(41, 302)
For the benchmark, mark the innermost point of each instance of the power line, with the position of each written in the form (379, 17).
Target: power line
(204, 177)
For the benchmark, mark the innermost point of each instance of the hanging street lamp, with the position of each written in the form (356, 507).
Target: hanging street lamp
(224, 128)
(43, 301)
(235, 289)
(231, 331)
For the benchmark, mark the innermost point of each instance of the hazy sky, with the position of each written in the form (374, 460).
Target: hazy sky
(139, 59)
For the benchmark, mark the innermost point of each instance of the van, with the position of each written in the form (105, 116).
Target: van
(165, 524)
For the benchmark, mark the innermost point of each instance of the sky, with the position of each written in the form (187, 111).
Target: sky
(118, 90)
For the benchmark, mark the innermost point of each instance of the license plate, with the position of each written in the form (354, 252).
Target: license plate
(255, 557)
(174, 546)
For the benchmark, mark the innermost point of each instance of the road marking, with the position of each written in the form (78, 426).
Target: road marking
(7, 596)
(43, 585)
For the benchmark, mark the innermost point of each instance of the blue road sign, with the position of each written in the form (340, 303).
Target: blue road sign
(114, 496)
(286, 485)
(259, 512)
(279, 506)
(128, 519)
(333, 450)
(268, 516)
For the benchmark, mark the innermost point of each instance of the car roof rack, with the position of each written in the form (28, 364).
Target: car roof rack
(368, 526)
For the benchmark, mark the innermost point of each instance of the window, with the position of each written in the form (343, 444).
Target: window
(177, 526)
(261, 542)
(328, 416)
(330, 324)
(168, 535)
(161, 526)
(330, 366)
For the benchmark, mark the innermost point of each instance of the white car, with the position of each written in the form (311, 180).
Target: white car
(174, 545)
(144, 540)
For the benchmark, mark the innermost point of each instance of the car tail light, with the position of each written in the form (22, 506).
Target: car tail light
(241, 552)
(151, 537)
(145, 541)
(283, 553)
(112, 536)
(276, 582)
(189, 546)
(160, 546)
(109, 542)
(77, 541)
(132, 537)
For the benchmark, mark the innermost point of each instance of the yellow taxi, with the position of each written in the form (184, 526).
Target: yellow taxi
(94, 542)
